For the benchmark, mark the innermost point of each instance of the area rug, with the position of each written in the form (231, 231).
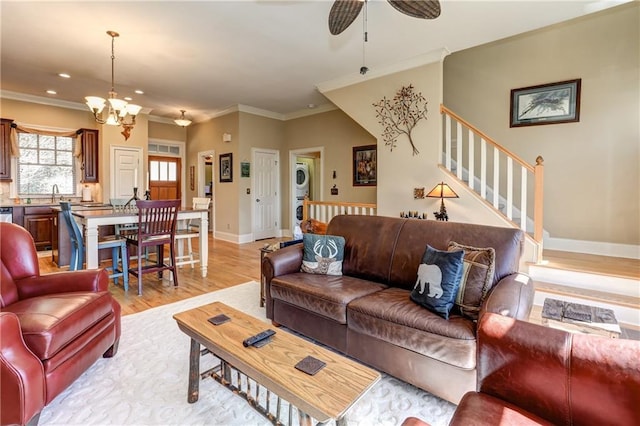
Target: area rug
(146, 382)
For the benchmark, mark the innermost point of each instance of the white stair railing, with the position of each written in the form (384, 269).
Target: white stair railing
(513, 182)
(324, 211)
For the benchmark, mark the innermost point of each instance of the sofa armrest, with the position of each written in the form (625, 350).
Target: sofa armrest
(21, 375)
(512, 296)
(287, 260)
(63, 282)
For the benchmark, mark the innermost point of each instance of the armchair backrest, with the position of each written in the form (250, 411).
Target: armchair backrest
(18, 260)
(561, 377)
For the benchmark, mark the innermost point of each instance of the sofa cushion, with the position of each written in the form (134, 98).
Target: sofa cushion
(438, 280)
(391, 316)
(50, 322)
(477, 278)
(324, 295)
(322, 254)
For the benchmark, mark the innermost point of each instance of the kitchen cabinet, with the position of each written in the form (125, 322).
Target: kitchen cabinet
(42, 224)
(90, 153)
(5, 149)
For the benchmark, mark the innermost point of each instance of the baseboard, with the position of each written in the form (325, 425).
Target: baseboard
(226, 236)
(628, 251)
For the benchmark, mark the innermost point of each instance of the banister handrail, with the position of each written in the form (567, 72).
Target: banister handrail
(444, 109)
(468, 165)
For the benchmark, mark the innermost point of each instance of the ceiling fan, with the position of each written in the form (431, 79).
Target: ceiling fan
(344, 12)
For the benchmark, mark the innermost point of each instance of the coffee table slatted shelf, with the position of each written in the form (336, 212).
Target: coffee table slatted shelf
(325, 396)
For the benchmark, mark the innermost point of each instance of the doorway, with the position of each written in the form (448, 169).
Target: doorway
(205, 182)
(165, 178)
(126, 171)
(309, 163)
(265, 200)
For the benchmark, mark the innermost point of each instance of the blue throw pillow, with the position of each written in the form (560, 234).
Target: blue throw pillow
(439, 277)
(322, 254)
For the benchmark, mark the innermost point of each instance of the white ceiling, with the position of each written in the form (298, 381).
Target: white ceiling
(208, 56)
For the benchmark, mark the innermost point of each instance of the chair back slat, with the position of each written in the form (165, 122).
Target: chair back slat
(77, 242)
(157, 217)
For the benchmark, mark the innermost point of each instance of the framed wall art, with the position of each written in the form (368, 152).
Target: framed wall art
(245, 169)
(546, 104)
(226, 167)
(365, 165)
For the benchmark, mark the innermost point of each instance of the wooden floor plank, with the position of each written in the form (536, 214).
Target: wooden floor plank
(229, 264)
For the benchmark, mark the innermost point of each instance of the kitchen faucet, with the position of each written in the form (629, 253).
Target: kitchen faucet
(54, 190)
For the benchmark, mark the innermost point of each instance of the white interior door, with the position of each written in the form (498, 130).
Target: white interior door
(265, 194)
(126, 173)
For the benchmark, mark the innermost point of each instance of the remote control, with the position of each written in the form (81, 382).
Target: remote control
(250, 341)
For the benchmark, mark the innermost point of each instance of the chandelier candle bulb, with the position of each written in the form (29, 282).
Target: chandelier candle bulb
(135, 178)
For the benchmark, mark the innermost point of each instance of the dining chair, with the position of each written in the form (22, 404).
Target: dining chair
(156, 227)
(189, 230)
(117, 245)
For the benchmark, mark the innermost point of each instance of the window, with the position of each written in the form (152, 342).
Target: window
(163, 170)
(45, 161)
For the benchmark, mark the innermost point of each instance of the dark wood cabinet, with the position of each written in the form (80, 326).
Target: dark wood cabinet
(90, 154)
(5, 149)
(42, 224)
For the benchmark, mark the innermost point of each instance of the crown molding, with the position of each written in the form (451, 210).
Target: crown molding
(428, 58)
(23, 97)
(310, 111)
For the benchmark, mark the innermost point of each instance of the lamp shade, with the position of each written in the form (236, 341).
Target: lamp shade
(442, 190)
(182, 121)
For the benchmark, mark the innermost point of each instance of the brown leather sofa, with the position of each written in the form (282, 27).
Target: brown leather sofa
(52, 327)
(533, 375)
(366, 313)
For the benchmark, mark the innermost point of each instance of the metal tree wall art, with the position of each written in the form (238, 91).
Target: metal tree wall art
(400, 115)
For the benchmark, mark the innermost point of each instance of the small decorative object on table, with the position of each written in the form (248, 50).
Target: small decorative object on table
(575, 317)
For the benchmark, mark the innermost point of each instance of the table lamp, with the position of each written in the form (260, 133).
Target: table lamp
(442, 191)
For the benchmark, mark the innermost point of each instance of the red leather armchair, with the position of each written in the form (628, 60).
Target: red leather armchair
(534, 375)
(52, 327)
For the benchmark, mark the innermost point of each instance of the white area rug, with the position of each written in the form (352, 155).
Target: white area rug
(146, 382)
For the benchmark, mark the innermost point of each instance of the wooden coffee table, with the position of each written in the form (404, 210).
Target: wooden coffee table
(324, 396)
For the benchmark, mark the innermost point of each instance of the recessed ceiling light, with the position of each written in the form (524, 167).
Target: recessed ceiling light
(311, 106)
(139, 92)
(64, 75)
(127, 98)
(52, 92)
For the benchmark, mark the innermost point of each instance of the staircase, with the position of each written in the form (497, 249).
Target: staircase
(514, 189)
(608, 282)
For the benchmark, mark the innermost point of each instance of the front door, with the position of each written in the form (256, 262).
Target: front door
(164, 177)
(265, 196)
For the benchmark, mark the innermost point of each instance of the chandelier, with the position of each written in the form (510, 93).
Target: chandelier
(182, 121)
(119, 112)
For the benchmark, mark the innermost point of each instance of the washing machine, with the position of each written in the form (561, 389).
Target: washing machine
(299, 207)
(302, 180)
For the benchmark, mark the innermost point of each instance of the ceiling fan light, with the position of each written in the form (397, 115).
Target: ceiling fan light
(95, 103)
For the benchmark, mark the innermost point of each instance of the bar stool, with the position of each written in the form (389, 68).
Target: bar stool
(117, 245)
(191, 230)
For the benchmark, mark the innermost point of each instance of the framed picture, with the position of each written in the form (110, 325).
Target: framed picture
(245, 169)
(226, 167)
(546, 104)
(365, 165)
(192, 175)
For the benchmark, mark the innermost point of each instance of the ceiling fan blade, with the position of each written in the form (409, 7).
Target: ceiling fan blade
(342, 14)
(424, 9)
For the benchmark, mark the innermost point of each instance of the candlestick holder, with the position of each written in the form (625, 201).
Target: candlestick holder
(147, 195)
(134, 198)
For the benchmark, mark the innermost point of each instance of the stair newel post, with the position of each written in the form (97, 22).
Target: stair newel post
(538, 210)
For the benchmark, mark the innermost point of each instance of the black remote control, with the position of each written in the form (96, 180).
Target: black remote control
(251, 341)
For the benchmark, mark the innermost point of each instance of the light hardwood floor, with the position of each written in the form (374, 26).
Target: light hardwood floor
(229, 264)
